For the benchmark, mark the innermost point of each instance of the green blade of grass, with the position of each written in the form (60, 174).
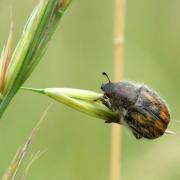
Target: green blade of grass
(32, 46)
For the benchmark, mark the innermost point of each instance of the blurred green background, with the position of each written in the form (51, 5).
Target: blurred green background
(78, 146)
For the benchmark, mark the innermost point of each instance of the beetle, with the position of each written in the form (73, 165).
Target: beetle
(140, 108)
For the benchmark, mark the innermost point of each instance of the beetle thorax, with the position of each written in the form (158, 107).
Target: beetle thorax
(121, 95)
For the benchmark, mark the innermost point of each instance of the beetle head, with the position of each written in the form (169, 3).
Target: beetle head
(107, 87)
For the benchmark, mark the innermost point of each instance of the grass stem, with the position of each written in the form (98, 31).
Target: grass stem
(118, 59)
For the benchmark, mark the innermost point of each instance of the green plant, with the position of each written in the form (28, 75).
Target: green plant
(88, 102)
(33, 43)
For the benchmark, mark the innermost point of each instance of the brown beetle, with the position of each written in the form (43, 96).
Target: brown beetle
(140, 108)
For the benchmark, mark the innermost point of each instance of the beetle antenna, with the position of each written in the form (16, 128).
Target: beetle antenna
(105, 74)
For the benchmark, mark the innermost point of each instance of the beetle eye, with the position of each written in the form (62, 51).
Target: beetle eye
(102, 87)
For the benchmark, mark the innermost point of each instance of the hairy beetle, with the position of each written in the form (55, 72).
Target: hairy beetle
(140, 108)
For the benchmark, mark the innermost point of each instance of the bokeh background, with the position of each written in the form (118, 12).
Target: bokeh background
(78, 146)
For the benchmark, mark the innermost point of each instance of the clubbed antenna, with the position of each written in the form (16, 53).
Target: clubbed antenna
(105, 74)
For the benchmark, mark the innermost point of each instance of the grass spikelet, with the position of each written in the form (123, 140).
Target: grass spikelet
(31, 47)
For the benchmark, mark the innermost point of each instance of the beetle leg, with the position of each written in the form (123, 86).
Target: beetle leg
(106, 102)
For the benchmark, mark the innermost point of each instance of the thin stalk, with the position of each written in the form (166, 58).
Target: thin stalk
(22, 151)
(118, 61)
